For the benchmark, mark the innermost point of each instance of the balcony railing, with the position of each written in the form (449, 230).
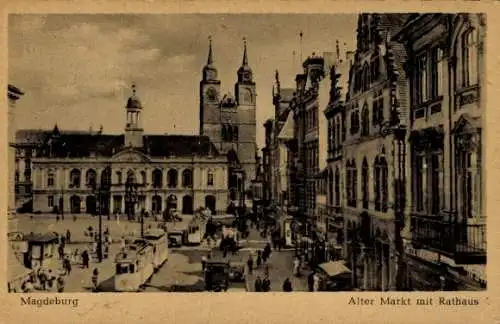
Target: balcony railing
(465, 243)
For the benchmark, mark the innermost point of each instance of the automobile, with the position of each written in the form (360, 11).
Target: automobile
(237, 271)
(175, 238)
(217, 275)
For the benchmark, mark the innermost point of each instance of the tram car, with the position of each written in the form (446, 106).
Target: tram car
(159, 241)
(134, 266)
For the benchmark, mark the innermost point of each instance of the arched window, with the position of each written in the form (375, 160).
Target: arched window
(50, 178)
(210, 178)
(381, 185)
(144, 177)
(75, 178)
(352, 184)
(223, 133)
(365, 183)
(91, 178)
(365, 116)
(366, 77)
(119, 177)
(172, 178)
(337, 187)
(330, 188)
(106, 177)
(157, 178)
(354, 122)
(187, 178)
(469, 58)
(131, 177)
(235, 133)
(229, 133)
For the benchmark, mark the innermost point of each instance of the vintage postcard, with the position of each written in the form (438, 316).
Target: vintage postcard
(332, 163)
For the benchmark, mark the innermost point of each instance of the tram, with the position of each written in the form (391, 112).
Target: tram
(134, 266)
(158, 240)
(195, 231)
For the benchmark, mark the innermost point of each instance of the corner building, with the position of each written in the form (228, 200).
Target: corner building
(229, 121)
(445, 221)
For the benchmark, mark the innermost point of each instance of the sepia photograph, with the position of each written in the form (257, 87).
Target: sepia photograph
(246, 153)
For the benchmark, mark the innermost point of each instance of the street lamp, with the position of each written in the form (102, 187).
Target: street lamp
(100, 192)
(131, 199)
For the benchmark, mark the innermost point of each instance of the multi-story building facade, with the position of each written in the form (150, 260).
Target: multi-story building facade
(282, 131)
(70, 170)
(336, 135)
(310, 94)
(371, 156)
(13, 94)
(445, 220)
(267, 154)
(230, 121)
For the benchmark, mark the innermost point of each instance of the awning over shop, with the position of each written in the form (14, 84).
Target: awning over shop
(335, 268)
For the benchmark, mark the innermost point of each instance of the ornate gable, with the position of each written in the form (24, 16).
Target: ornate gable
(130, 155)
(466, 124)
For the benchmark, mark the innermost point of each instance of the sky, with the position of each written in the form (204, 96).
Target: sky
(76, 70)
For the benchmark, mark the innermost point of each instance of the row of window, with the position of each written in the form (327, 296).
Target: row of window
(380, 184)
(157, 178)
(229, 133)
(311, 118)
(336, 134)
(367, 74)
(312, 158)
(430, 69)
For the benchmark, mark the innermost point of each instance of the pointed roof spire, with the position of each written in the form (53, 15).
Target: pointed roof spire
(245, 57)
(210, 59)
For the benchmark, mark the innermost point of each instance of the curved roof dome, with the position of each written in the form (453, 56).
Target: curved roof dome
(134, 102)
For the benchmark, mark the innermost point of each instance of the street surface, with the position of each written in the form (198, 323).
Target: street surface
(182, 272)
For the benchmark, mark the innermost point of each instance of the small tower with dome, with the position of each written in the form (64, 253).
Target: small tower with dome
(133, 129)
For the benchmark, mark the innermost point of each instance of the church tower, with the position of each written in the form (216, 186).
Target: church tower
(209, 99)
(246, 117)
(229, 120)
(133, 129)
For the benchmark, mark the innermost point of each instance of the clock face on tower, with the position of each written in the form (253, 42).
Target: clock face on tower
(247, 96)
(211, 94)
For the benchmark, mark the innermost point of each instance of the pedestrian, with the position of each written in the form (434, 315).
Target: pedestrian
(50, 279)
(250, 264)
(68, 236)
(267, 251)
(94, 247)
(266, 284)
(203, 262)
(60, 284)
(259, 258)
(85, 259)
(76, 255)
(67, 266)
(258, 284)
(310, 281)
(287, 285)
(122, 242)
(61, 252)
(316, 282)
(42, 277)
(266, 270)
(296, 266)
(27, 286)
(95, 279)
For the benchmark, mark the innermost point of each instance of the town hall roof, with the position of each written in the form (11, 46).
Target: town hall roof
(84, 144)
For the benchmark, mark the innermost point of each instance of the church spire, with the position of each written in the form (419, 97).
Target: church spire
(210, 59)
(209, 71)
(245, 72)
(245, 56)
